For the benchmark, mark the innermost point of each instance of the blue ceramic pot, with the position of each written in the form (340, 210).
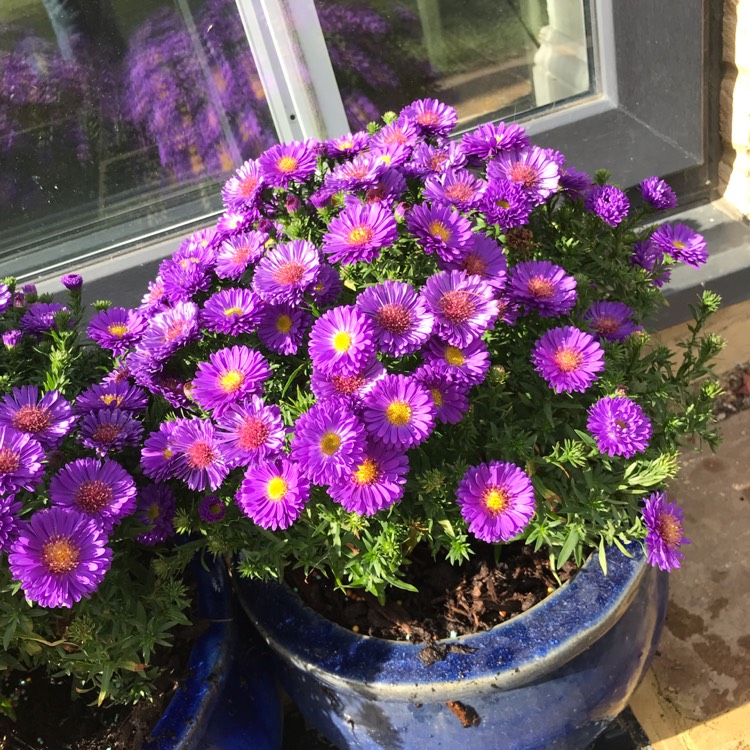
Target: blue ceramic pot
(552, 677)
(227, 699)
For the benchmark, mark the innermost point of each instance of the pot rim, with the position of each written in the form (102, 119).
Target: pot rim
(511, 654)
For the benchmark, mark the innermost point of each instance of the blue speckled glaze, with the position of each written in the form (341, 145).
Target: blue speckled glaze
(549, 679)
(227, 668)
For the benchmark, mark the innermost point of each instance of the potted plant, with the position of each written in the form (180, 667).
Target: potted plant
(87, 594)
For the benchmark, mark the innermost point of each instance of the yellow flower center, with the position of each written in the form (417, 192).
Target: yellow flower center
(330, 443)
(286, 164)
(233, 311)
(367, 472)
(360, 235)
(454, 356)
(502, 203)
(398, 413)
(153, 512)
(437, 397)
(440, 231)
(276, 488)
(284, 324)
(678, 245)
(231, 381)
(567, 359)
(495, 500)
(110, 398)
(117, 329)
(167, 453)
(60, 555)
(342, 341)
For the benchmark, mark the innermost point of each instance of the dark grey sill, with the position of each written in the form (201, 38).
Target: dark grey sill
(123, 278)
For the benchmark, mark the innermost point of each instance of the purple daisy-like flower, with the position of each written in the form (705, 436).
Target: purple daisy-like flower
(281, 164)
(156, 506)
(432, 117)
(386, 190)
(199, 458)
(103, 490)
(107, 430)
(574, 184)
(531, 168)
(183, 275)
(491, 139)
(59, 557)
(457, 187)
(328, 440)
(542, 286)
(657, 193)
(238, 253)
(21, 457)
(392, 156)
(40, 317)
(5, 298)
(11, 338)
(348, 388)
(609, 203)
(72, 281)
(230, 376)
(496, 500)
(112, 395)
(282, 327)
(358, 234)
(48, 419)
(251, 433)
(9, 510)
(463, 306)
(568, 359)
(117, 329)
(680, 242)
(274, 493)
(468, 363)
(663, 521)
(612, 321)
(154, 299)
(232, 311)
(651, 258)
(169, 331)
(287, 271)
(374, 483)
(342, 340)
(158, 457)
(347, 145)
(211, 509)
(361, 172)
(620, 426)
(506, 204)
(399, 315)
(399, 411)
(449, 392)
(485, 259)
(401, 132)
(428, 160)
(328, 286)
(243, 189)
(441, 230)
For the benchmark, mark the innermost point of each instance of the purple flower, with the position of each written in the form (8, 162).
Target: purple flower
(399, 411)
(349, 388)
(468, 363)
(620, 426)
(387, 189)
(21, 459)
(273, 494)
(649, 257)
(358, 234)
(103, 490)
(506, 204)
(657, 193)
(531, 168)
(402, 132)
(237, 253)
(60, 556)
(342, 340)
(543, 286)
(230, 376)
(463, 306)
(663, 521)
(287, 271)
(611, 321)
(376, 482)
(11, 338)
(491, 139)
(112, 395)
(448, 391)
(328, 286)
(156, 506)
(117, 329)
(485, 259)
(496, 500)
(458, 188)
(285, 162)
(432, 117)
(48, 419)
(169, 331)
(232, 311)
(250, 433)
(399, 315)
(328, 440)
(233, 222)
(40, 316)
(155, 298)
(441, 230)
(242, 191)
(158, 458)
(362, 171)
(427, 160)
(347, 145)
(9, 510)
(211, 509)
(5, 298)
(609, 203)
(282, 327)
(199, 459)
(183, 275)
(72, 281)
(568, 359)
(680, 242)
(107, 430)
(574, 184)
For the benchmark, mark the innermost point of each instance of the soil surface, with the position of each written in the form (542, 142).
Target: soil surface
(736, 396)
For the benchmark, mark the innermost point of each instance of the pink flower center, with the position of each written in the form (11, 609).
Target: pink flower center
(669, 529)
(291, 272)
(439, 230)
(358, 171)
(106, 434)
(437, 161)
(200, 455)
(31, 418)
(606, 325)
(242, 254)
(252, 434)
(474, 265)
(396, 136)
(459, 192)
(428, 118)
(92, 495)
(60, 555)
(495, 500)
(540, 287)
(9, 461)
(286, 164)
(347, 384)
(360, 235)
(174, 331)
(368, 472)
(523, 174)
(394, 318)
(457, 306)
(567, 359)
(247, 186)
(118, 330)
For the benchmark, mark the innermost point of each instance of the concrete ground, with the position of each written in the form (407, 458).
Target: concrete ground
(696, 695)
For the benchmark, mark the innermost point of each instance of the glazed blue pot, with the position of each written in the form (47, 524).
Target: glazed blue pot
(551, 678)
(227, 699)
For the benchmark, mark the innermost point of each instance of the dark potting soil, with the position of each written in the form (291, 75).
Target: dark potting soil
(451, 600)
(47, 718)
